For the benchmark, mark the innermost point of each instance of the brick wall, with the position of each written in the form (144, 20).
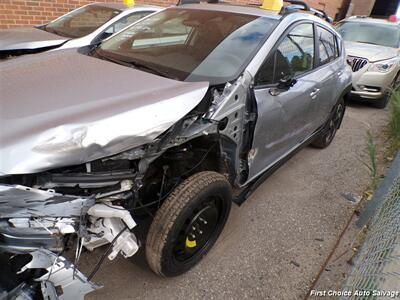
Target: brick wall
(362, 7)
(14, 13)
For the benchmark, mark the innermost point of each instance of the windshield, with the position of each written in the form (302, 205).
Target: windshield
(377, 34)
(82, 21)
(191, 44)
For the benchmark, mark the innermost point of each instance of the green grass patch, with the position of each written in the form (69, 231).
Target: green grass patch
(394, 125)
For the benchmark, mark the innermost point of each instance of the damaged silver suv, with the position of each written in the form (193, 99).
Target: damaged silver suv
(170, 120)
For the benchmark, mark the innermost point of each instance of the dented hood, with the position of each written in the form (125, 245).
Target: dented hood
(64, 108)
(28, 39)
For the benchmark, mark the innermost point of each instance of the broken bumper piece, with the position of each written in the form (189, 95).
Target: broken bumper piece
(31, 219)
(36, 222)
(62, 280)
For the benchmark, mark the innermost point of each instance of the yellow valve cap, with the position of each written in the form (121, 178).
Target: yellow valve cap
(190, 244)
(275, 5)
(129, 3)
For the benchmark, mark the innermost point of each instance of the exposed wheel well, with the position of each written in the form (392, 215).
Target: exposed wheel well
(205, 153)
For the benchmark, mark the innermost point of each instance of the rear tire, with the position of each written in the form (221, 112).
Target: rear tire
(331, 127)
(188, 223)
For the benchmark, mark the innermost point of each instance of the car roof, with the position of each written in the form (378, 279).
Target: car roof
(361, 19)
(123, 7)
(239, 9)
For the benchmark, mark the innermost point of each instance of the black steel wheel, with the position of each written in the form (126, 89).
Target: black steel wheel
(333, 124)
(188, 223)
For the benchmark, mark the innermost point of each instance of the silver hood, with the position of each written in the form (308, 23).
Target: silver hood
(64, 108)
(372, 52)
(29, 38)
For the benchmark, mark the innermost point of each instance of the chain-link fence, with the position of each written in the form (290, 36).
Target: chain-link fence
(376, 273)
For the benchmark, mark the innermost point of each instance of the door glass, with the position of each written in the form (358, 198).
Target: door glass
(293, 57)
(327, 46)
(126, 21)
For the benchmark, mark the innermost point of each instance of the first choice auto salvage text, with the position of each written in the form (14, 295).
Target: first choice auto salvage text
(349, 293)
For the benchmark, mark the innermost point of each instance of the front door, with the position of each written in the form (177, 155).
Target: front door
(284, 118)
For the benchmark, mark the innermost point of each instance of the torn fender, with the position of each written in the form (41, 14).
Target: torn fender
(64, 108)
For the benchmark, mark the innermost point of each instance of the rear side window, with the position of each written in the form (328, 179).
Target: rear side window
(293, 56)
(328, 48)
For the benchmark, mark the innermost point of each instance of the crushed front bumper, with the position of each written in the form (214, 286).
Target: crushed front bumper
(36, 222)
(62, 281)
(23, 212)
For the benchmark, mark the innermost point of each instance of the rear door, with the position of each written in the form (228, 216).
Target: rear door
(284, 118)
(328, 70)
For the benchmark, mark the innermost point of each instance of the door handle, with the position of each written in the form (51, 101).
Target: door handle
(340, 73)
(314, 93)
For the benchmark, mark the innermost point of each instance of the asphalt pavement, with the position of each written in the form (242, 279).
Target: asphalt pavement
(275, 244)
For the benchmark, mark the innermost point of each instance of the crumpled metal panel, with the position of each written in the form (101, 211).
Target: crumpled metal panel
(28, 38)
(60, 273)
(64, 108)
(18, 202)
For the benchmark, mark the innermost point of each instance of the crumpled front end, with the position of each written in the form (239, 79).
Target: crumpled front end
(40, 223)
(51, 211)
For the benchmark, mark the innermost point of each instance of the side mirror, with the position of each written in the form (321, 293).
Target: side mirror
(104, 35)
(283, 85)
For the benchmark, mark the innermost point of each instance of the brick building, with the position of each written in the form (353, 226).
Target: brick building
(379, 8)
(15, 13)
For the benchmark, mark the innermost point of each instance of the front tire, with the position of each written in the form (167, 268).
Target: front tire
(188, 223)
(331, 127)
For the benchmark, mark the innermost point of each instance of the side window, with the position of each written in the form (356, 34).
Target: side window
(126, 21)
(293, 57)
(328, 50)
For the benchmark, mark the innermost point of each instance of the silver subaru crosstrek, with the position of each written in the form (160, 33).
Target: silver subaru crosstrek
(373, 48)
(166, 122)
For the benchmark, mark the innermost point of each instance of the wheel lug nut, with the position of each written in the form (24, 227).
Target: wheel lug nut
(201, 232)
(202, 220)
(192, 236)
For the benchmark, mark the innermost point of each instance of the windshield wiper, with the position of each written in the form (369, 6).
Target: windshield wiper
(142, 66)
(132, 63)
(114, 60)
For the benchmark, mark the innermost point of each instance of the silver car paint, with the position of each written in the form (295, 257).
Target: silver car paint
(28, 38)
(123, 108)
(23, 202)
(34, 38)
(285, 121)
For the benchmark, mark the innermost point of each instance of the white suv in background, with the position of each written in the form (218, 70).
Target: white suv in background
(372, 47)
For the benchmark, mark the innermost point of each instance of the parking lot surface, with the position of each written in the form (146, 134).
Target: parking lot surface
(275, 243)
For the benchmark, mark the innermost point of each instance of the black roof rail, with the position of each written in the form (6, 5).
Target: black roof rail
(301, 5)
